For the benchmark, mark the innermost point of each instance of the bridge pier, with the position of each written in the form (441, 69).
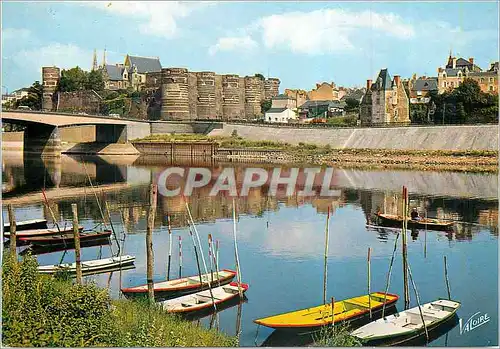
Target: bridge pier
(43, 140)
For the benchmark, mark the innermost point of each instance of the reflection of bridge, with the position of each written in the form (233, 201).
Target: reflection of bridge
(42, 133)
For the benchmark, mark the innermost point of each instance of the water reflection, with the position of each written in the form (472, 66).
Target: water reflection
(281, 239)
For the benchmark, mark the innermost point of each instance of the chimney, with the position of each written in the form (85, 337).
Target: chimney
(368, 84)
(396, 80)
(471, 60)
(454, 63)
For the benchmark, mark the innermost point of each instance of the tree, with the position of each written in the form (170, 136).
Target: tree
(265, 105)
(260, 76)
(352, 104)
(94, 81)
(74, 79)
(34, 97)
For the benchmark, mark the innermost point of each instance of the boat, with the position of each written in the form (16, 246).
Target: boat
(202, 300)
(350, 310)
(407, 325)
(89, 266)
(66, 239)
(41, 232)
(25, 225)
(38, 250)
(182, 286)
(422, 223)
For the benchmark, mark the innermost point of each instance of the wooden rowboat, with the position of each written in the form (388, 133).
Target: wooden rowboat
(178, 287)
(25, 225)
(89, 266)
(346, 311)
(407, 325)
(423, 223)
(203, 300)
(41, 232)
(38, 250)
(65, 239)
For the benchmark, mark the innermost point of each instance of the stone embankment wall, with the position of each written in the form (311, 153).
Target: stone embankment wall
(459, 138)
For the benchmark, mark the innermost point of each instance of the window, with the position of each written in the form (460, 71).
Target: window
(491, 79)
(481, 80)
(491, 88)
(419, 93)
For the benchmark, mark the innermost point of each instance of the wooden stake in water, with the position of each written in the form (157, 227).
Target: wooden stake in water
(76, 236)
(333, 312)
(425, 235)
(418, 303)
(180, 257)
(210, 258)
(12, 235)
(369, 284)
(325, 266)
(404, 251)
(149, 240)
(217, 256)
(196, 256)
(238, 270)
(446, 278)
(169, 247)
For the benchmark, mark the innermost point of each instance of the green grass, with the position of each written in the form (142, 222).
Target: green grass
(42, 310)
(335, 337)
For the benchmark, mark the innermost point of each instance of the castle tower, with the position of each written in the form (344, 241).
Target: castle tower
(205, 84)
(174, 94)
(254, 93)
(271, 88)
(232, 106)
(50, 80)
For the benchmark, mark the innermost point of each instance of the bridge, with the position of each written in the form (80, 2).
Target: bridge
(42, 134)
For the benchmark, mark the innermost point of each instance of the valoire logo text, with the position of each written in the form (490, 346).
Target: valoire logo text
(474, 322)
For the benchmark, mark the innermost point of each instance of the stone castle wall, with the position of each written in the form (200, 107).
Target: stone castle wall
(207, 95)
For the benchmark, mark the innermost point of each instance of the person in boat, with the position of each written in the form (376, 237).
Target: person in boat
(414, 214)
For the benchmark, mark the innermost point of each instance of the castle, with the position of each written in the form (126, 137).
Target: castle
(184, 94)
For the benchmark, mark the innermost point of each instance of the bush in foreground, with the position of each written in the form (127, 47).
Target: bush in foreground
(41, 310)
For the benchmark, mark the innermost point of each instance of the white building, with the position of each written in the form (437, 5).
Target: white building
(283, 109)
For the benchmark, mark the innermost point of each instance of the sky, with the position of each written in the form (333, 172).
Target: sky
(301, 43)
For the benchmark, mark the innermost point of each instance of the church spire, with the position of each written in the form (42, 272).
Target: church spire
(94, 60)
(104, 58)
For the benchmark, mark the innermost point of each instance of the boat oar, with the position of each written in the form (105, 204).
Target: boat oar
(169, 247)
(418, 303)
(196, 255)
(389, 274)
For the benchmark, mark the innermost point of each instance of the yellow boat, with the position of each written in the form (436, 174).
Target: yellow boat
(347, 310)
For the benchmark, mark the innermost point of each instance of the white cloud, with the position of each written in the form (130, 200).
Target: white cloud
(55, 54)
(327, 30)
(15, 34)
(240, 43)
(324, 31)
(154, 18)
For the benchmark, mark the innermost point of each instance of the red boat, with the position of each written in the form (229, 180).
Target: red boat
(65, 239)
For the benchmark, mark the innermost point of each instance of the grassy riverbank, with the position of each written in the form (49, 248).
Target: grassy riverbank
(303, 153)
(40, 310)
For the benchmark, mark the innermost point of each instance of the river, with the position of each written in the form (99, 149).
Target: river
(281, 238)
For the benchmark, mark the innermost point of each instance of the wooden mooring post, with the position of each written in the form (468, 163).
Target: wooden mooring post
(325, 265)
(76, 237)
(149, 240)
(369, 282)
(446, 278)
(12, 235)
(405, 250)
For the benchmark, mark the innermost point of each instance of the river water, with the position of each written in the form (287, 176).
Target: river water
(281, 238)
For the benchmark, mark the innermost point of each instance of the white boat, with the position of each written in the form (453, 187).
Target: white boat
(41, 232)
(89, 266)
(407, 325)
(203, 300)
(29, 224)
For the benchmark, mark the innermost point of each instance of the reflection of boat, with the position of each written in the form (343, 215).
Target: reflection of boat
(66, 239)
(346, 311)
(422, 223)
(198, 315)
(288, 339)
(89, 267)
(182, 286)
(407, 325)
(41, 232)
(25, 225)
(203, 299)
(38, 250)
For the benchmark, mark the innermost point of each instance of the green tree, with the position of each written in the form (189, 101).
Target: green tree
(265, 105)
(352, 104)
(73, 79)
(260, 76)
(34, 97)
(94, 81)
